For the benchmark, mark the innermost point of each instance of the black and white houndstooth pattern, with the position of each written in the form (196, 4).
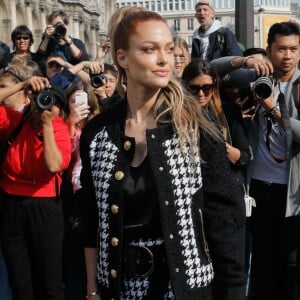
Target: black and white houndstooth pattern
(102, 153)
(137, 288)
(186, 174)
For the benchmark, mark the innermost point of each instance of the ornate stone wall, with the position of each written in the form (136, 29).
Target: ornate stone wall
(88, 18)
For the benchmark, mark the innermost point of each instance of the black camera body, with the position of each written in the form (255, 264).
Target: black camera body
(44, 99)
(60, 30)
(98, 80)
(258, 87)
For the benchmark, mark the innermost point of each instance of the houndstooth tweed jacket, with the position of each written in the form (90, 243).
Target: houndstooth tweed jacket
(192, 195)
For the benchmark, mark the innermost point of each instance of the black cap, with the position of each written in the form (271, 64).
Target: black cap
(60, 95)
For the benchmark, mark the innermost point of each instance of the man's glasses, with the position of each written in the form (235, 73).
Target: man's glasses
(206, 89)
(180, 58)
(22, 37)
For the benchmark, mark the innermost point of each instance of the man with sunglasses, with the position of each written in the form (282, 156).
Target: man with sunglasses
(211, 40)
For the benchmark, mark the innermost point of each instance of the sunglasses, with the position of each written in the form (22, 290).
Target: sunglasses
(206, 88)
(22, 37)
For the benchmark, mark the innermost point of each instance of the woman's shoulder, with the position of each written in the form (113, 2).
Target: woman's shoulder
(113, 115)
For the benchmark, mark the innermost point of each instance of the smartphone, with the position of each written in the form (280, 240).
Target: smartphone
(81, 97)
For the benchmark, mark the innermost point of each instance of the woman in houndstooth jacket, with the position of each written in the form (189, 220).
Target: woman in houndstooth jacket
(160, 222)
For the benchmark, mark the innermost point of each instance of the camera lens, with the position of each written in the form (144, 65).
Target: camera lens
(262, 88)
(44, 100)
(98, 80)
(60, 30)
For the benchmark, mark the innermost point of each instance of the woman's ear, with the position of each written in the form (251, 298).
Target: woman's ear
(122, 58)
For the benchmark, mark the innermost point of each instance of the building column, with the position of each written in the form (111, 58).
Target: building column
(13, 15)
(93, 44)
(76, 32)
(28, 11)
(244, 23)
(43, 17)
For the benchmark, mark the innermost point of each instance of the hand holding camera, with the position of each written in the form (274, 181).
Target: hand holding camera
(97, 76)
(35, 84)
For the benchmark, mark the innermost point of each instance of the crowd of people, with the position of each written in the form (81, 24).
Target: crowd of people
(163, 175)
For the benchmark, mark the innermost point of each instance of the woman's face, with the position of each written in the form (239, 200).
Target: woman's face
(14, 101)
(110, 84)
(202, 88)
(53, 68)
(181, 60)
(22, 43)
(149, 61)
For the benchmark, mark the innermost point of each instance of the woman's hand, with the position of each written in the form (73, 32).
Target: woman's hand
(78, 112)
(103, 49)
(36, 83)
(233, 154)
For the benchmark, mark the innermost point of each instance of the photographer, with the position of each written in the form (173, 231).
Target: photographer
(31, 216)
(274, 172)
(57, 40)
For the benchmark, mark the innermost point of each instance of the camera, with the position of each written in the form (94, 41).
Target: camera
(98, 80)
(44, 99)
(259, 88)
(59, 30)
(262, 87)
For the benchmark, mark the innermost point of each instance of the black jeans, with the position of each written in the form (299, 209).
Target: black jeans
(275, 244)
(32, 233)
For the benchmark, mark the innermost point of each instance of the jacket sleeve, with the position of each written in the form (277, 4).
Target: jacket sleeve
(224, 219)
(87, 198)
(195, 48)
(83, 56)
(238, 132)
(231, 43)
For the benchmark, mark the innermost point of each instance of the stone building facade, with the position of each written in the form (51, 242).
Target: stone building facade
(88, 18)
(180, 15)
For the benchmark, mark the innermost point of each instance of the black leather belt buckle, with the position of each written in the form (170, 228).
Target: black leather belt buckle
(138, 261)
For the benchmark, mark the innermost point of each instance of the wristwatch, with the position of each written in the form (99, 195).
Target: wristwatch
(274, 110)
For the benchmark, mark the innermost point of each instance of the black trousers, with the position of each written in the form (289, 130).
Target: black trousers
(275, 261)
(32, 234)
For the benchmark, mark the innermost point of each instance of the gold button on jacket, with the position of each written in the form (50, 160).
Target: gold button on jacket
(115, 242)
(127, 145)
(113, 273)
(119, 175)
(114, 209)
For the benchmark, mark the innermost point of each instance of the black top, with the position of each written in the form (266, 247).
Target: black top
(141, 208)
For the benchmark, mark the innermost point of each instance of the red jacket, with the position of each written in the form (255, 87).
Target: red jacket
(24, 171)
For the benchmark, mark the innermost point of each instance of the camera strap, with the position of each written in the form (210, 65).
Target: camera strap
(14, 135)
(296, 94)
(270, 120)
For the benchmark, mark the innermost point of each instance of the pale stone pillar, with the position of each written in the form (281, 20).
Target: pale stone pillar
(76, 32)
(13, 16)
(93, 44)
(28, 11)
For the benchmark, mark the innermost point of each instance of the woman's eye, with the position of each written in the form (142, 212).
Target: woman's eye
(148, 49)
(170, 50)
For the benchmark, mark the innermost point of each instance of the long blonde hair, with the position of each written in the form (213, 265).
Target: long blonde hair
(178, 108)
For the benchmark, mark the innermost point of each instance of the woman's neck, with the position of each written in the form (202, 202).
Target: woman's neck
(141, 106)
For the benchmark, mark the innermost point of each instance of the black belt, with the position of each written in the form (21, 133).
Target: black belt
(139, 261)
